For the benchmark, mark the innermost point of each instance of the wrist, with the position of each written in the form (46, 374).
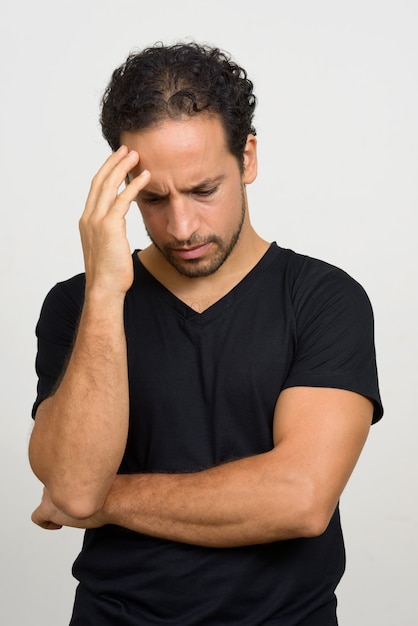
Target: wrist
(101, 306)
(112, 505)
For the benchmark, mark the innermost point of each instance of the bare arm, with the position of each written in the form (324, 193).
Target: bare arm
(80, 432)
(291, 491)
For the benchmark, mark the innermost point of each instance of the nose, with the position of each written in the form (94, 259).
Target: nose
(183, 219)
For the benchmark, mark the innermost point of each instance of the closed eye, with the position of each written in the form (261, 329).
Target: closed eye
(151, 199)
(205, 193)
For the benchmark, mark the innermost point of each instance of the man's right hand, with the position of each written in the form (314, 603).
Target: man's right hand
(107, 255)
(80, 431)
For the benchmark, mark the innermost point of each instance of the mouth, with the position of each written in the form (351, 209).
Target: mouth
(192, 253)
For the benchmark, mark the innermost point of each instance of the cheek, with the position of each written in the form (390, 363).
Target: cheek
(147, 214)
(155, 224)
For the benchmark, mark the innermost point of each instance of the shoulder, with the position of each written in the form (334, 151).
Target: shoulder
(301, 267)
(327, 304)
(62, 304)
(334, 326)
(313, 281)
(69, 292)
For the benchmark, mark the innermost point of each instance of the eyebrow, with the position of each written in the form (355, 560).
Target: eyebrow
(207, 183)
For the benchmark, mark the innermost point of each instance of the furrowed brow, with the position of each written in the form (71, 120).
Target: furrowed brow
(208, 183)
(151, 195)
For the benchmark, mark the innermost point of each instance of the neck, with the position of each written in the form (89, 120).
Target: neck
(201, 292)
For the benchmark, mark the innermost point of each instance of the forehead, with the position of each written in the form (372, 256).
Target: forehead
(180, 142)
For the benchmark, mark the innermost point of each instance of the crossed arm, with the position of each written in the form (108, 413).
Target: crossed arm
(80, 432)
(291, 491)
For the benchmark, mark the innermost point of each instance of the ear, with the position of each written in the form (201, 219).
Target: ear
(249, 173)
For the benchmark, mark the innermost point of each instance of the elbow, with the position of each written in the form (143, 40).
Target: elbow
(315, 523)
(69, 498)
(72, 494)
(313, 516)
(308, 511)
(301, 522)
(77, 506)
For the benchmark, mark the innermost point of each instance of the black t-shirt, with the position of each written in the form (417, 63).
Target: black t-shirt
(203, 389)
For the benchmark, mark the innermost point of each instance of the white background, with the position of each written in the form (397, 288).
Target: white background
(338, 148)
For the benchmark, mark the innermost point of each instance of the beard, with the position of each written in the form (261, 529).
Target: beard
(220, 250)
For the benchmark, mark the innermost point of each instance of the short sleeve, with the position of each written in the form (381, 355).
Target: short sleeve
(335, 334)
(55, 331)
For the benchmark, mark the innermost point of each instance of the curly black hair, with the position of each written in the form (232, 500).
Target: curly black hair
(162, 82)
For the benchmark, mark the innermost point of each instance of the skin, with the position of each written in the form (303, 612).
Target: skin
(191, 194)
(195, 208)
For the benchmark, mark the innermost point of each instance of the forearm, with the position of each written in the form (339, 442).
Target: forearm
(290, 491)
(240, 503)
(80, 432)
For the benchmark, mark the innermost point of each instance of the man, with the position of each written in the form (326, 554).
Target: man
(201, 403)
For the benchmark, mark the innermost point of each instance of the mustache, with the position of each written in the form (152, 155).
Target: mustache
(194, 240)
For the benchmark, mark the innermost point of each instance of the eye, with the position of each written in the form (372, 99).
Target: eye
(205, 193)
(151, 200)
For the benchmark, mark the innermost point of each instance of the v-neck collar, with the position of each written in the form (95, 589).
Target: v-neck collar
(217, 308)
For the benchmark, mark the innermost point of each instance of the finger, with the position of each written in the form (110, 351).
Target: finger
(43, 523)
(112, 160)
(134, 186)
(50, 526)
(107, 166)
(117, 205)
(106, 183)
